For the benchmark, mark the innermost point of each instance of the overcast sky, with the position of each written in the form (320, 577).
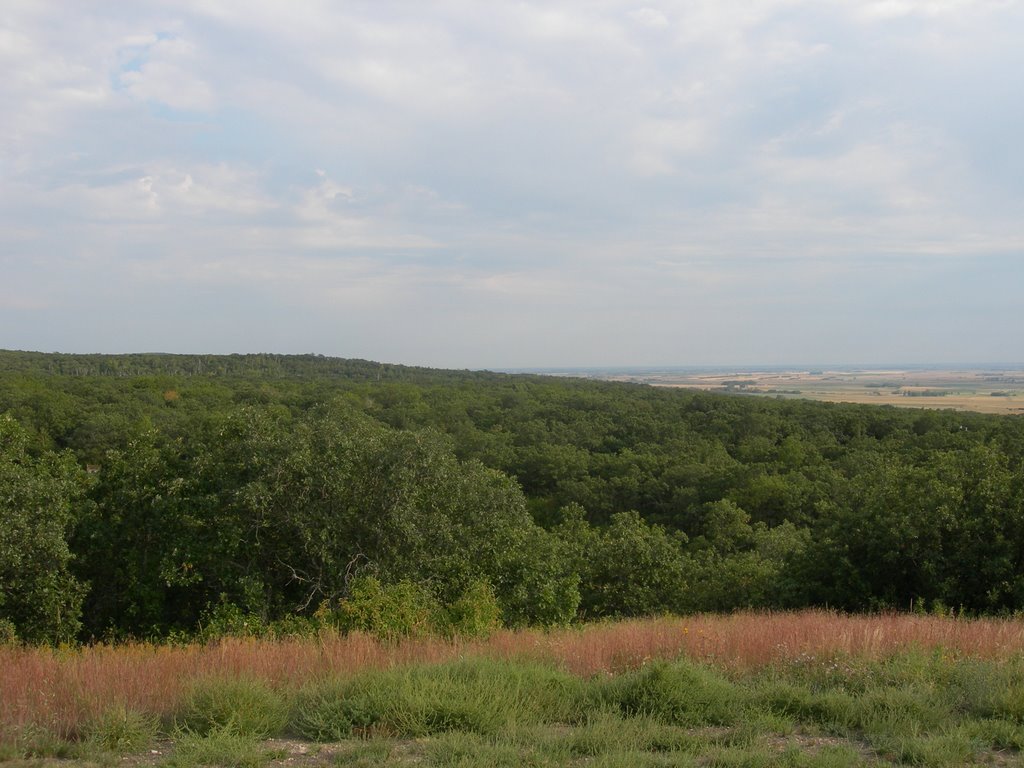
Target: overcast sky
(510, 184)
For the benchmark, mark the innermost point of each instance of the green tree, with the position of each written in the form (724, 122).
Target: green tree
(38, 593)
(881, 538)
(632, 569)
(275, 514)
(143, 541)
(738, 565)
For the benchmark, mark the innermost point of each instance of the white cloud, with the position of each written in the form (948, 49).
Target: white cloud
(890, 9)
(162, 192)
(654, 161)
(660, 146)
(329, 223)
(649, 17)
(169, 75)
(42, 81)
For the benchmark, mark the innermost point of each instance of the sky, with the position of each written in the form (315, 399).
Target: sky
(468, 184)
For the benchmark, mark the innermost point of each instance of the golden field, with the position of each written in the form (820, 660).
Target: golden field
(999, 391)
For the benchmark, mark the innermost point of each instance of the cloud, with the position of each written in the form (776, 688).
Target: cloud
(890, 9)
(167, 74)
(583, 180)
(660, 145)
(161, 193)
(650, 17)
(42, 82)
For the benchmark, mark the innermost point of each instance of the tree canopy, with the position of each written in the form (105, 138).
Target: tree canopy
(157, 486)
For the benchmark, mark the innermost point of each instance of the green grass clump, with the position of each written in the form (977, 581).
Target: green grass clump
(121, 730)
(833, 710)
(245, 706)
(887, 707)
(997, 734)
(324, 711)
(369, 754)
(827, 757)
(475, 696)
(610, 732)
(224, 746)
(469, 750)
(635, 759)
(939, 750)
(910, 710)
(678, 692)
(986, 689)
(34, 741)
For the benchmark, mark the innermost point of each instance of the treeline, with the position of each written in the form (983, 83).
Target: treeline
(146, 495)
(237, 365)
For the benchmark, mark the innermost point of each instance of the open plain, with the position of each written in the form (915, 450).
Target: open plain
(989, 390)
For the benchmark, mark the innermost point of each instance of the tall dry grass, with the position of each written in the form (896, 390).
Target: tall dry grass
(745, 640)
(62, 689)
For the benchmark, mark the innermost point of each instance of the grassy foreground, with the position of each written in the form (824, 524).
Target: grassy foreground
(802, 689)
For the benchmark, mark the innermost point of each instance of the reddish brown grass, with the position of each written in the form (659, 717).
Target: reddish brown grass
(745, 640)
(61, 689)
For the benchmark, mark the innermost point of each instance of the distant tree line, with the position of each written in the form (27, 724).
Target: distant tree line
(142, 494)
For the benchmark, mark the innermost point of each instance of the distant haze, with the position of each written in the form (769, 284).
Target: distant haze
(516, 184)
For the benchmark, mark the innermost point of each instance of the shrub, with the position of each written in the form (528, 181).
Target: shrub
(479, 696)
(476, 612)
(292, 626)
(247, 706)
(677, 692)
(389, 611)
(225, 619)
(326, 711)
(8, 633)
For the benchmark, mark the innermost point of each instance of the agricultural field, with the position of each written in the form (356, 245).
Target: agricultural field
(810, 688)
(998, 391)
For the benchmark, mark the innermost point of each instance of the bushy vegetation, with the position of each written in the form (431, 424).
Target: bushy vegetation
(40, 599)
(240, 705)
(913, 708)
(160, 496)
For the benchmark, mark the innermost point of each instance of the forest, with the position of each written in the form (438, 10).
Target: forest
(163, 496)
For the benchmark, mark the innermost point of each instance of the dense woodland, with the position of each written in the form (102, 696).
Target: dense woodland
(149, 495)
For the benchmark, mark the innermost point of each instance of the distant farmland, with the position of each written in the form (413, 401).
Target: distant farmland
(990, 390)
